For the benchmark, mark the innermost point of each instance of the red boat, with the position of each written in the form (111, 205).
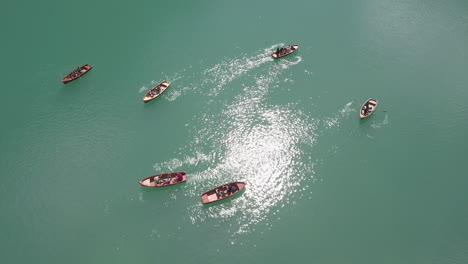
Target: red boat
(77, 73)
(222, 192)
(164, 179)
(279, 53)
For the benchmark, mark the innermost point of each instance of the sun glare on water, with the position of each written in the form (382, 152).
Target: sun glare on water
(267, 146)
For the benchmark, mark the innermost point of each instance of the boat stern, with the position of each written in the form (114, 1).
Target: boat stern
(204, 198)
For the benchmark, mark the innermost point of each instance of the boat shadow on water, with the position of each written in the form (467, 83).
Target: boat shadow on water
(217, 203)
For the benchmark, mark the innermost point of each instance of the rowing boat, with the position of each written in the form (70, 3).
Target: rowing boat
(77, 73)
(368, 108)
(222, 192)
(156, 91)
(279, 53)
(164, 179)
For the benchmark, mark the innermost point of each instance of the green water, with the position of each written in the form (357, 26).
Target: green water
(322, 186)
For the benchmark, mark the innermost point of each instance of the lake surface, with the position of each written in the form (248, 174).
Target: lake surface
(323, 186)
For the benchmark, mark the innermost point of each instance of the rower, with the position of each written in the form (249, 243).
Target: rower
(180, 177)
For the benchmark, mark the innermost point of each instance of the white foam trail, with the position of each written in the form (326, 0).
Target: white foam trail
(286, 64)
(335, 119)
(143, 88)
(220, 74)
(223, 73)
(171, 165)
(377, 124)
(385, 122)
(175, 163)
(173, 95)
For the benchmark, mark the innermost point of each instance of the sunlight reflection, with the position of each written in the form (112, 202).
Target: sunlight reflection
(267, 146)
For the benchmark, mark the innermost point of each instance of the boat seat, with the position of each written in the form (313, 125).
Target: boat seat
(212, 197)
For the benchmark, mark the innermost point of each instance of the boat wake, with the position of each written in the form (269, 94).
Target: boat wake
(380, 124)
(223, 73)
(334, 120)
(216, 78)
(143, 89)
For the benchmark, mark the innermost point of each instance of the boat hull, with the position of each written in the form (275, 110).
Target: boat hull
(372, 104)
(156, 91)
(160, 180)
(291, 49)
(83, 70)
(221, 192)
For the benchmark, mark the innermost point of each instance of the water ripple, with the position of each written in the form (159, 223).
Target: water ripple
(250, 141)
(268, 146)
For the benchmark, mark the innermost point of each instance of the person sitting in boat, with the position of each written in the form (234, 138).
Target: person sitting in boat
(365, 109)
(277, 51)
(221, 192)
(232, 188)
(180, 177)
(226, 190)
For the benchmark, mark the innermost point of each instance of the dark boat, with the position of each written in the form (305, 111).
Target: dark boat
(284, 51)
(164, 179)
(222, 192)
(156, 91)
(77, 73)
(368, 108)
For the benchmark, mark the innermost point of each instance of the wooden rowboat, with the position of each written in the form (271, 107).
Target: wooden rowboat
(77, 73)
(156, 91)
(222, 192)
(284, 51)
(368, 108)
(164, 179)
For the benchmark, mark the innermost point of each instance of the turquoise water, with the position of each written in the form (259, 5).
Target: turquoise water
(322, 186)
